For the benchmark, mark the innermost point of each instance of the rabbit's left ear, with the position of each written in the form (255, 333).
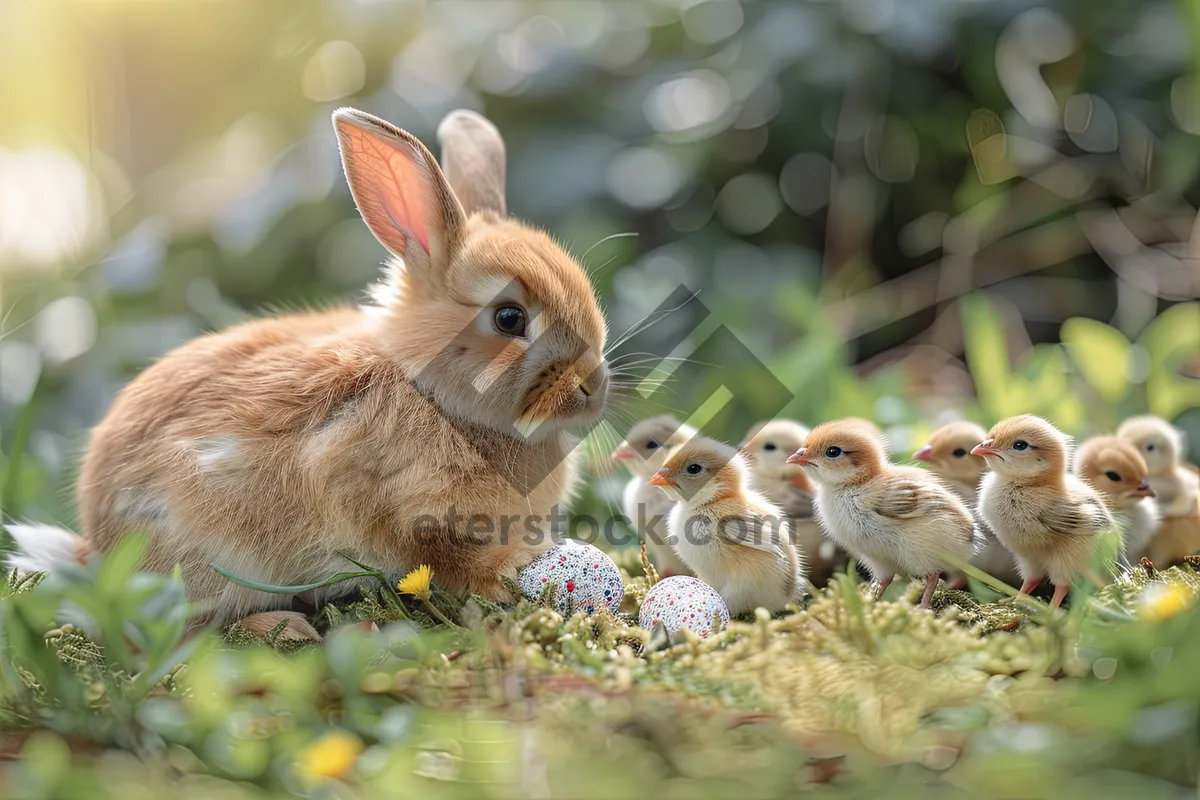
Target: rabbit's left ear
(473, 160)
(401, 194)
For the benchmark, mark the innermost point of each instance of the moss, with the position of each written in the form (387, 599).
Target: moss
(74, 647)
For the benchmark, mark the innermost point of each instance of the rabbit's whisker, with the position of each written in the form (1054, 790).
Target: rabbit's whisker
(608, 238)
(649, 322)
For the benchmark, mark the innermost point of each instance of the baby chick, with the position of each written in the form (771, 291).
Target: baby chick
(1176, 483)
(1115, 469)
(1161, 445)
(893, 519)
(732, 537)
(948, 455)
(1048, 518)
(768, 445)
(1176, 537)
(646, 507)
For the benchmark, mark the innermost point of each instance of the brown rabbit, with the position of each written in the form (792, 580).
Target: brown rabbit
(427, 428)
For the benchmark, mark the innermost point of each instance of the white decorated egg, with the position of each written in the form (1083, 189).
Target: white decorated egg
(585, 577)
(683, 602)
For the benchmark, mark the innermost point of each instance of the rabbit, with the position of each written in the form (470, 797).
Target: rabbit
(431, 426)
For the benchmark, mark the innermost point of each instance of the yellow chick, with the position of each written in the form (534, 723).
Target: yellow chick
(893, 519)
(1048, 518)
(1116, 470)
(732, 537)
(647, 507)
(1161, 445)
(767, 446)
(1176, 483)
(948, 454)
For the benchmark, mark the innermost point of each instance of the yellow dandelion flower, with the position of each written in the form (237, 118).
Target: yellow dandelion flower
(417, 583)
(331, 756)
(1162, 601)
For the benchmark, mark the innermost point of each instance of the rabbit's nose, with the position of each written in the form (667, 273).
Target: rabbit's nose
(596, 384)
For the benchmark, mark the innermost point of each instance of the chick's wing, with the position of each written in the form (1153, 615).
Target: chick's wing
(797, 502)
(903, 497)
(1074, 518)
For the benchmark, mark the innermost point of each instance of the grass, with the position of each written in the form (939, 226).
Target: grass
(105, 694)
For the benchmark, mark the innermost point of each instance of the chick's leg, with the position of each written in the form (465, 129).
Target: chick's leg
(882, 584)
(1060, 592)
(931, 583)
(1029, 585)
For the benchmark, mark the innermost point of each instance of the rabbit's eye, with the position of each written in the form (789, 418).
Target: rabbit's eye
(510, 320)
(960, 452)
(695, 469)
(1112, 476)
(652, 445)
(769, 446)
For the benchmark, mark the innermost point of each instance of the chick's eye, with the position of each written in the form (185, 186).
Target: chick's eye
(694, 469)
(1020, 444)
(960, 452)
(833, 452)
(652, 445)
(769, 446)
(1150, 448)
(510, 320)
(1112, 476)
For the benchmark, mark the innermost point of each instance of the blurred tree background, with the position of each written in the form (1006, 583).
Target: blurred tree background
(892, 203)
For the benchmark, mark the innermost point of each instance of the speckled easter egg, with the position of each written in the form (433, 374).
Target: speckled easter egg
(683, 602)
(587, 579)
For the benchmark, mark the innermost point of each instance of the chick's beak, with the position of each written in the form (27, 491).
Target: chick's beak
(984, 448)
(924, 454)
(660, 478)
(800, 457)
(623, 452)
(1144, 489)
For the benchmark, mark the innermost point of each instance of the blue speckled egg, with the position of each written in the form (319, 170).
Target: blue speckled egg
(683, 602)
(587, 579)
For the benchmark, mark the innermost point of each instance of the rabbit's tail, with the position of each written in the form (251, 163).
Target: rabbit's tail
(41, 548)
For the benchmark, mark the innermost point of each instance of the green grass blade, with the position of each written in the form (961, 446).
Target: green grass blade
(267, 587)
(10, 498)
(972, 571)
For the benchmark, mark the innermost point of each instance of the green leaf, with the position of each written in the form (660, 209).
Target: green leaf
(1101, 354)
(274, 589)
(120, 564)
(11, 498)
(987, 357)
(1171, 340)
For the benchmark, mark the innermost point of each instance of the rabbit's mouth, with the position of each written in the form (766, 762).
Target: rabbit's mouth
(559, 397)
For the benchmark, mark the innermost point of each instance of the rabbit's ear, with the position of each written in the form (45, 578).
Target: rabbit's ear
(473, 158)
(400, 192)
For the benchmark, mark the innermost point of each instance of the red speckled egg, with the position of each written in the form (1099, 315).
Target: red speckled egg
(586, 578)
(683, 602)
